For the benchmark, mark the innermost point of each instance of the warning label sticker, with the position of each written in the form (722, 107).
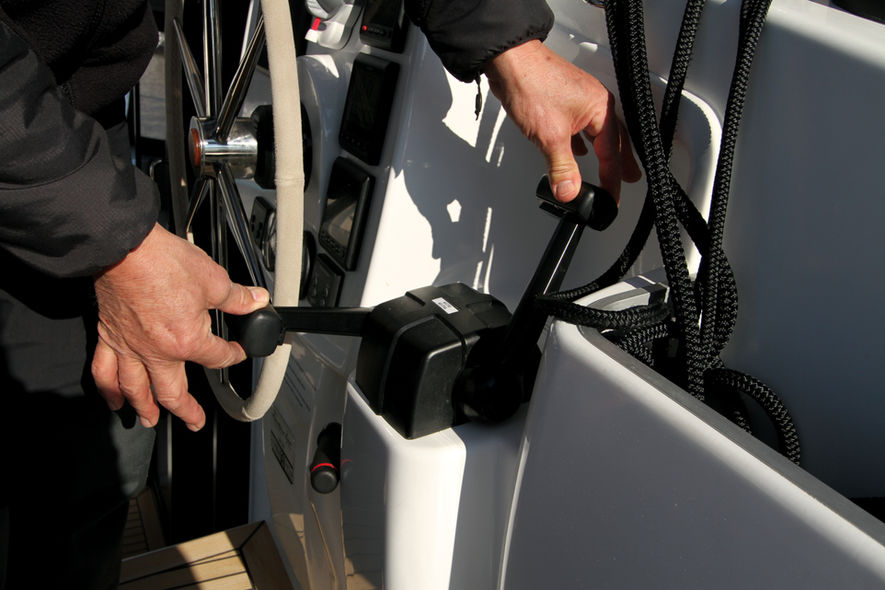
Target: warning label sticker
(445, 305)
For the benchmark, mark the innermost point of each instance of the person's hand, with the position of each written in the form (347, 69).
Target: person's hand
(153, 315)
(552, 102)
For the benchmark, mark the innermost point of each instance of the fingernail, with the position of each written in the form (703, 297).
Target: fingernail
(258, 294)
(564, 189)
(145, 422)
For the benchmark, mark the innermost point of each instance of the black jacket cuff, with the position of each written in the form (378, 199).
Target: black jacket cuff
(467, 34)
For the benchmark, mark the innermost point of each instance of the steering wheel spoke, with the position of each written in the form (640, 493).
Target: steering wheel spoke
(236, 94)
(217, 149)
(212, 52)
(198, 195)
(192, 74)
(238, 222)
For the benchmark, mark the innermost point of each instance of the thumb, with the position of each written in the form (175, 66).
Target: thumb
(242, 300)
(562, 170)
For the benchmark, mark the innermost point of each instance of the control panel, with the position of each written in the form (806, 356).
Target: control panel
(324, 285)
(384, 25)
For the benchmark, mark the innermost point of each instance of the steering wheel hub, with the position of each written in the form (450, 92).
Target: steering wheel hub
(207, 151)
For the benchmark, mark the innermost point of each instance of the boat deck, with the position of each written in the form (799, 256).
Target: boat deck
(143, 532)
(241, 558)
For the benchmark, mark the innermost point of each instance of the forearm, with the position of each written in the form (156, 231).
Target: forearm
(68, 206)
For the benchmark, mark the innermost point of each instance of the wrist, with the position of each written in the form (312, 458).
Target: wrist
(129, 267)
(512, 61)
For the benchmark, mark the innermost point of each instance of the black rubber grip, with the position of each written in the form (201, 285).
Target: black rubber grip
(594, 207)
(259, 333)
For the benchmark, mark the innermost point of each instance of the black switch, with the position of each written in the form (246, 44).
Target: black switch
(326, 459)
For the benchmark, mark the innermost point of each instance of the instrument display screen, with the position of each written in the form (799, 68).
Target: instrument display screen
(367, 107)
(347, 203)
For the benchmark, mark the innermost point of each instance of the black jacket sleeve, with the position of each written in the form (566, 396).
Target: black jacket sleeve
(466, 34)
(68, 206)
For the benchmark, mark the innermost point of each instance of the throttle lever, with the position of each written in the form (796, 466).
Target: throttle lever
(595, 207)
(261, 331)
(493, 389)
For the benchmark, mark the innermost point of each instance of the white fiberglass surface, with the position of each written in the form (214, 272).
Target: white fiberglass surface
(804, 236)
(628, 482)
(454, 202)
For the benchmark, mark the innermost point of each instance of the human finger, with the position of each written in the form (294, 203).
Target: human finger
(241, 299)
(214, 352)
(607, 146)
(170, 388)
(562, 169)
(104, 373)
(136, 388)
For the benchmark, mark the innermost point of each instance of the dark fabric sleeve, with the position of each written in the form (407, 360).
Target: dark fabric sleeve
(68, 207)
(466, 34)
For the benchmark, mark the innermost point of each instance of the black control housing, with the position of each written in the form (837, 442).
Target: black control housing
(414, 347)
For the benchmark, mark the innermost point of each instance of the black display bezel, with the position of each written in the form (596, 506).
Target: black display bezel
(367, 107)
(349, 192)
(384, 25)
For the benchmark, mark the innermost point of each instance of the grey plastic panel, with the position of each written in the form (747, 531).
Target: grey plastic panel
(628, 482)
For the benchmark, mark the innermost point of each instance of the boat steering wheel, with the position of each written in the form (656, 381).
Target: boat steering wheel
(217, 147)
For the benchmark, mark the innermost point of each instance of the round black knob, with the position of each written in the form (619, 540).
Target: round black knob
(324, 477)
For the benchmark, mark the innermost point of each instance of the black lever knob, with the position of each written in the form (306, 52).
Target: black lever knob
(594, 207)
(259, 333)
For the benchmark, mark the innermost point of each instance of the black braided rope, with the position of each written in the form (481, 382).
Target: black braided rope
(638, 341)
(753, 13)
(669, 116)
(691, 19)
(632, 317)
(717, 289)
(631, 69)
(734, 382)
(706, 311)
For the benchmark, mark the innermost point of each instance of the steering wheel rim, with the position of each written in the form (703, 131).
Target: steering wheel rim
(215, 182)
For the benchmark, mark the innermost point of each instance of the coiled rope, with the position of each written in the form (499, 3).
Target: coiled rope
(703, 312)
